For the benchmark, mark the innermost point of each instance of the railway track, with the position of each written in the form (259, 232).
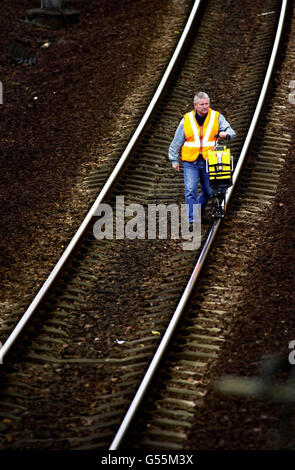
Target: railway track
(71, 312)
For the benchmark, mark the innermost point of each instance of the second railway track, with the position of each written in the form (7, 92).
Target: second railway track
(67, 338)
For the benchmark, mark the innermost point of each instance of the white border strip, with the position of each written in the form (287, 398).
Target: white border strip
(261, 98)
(65, 256)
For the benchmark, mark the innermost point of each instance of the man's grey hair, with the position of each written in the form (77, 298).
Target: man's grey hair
(201, 95)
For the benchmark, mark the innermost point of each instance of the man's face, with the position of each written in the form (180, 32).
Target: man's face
(202, 106)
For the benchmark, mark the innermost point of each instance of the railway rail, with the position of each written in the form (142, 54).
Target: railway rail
(146, 179)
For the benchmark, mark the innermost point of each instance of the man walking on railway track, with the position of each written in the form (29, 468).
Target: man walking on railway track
(194, 137)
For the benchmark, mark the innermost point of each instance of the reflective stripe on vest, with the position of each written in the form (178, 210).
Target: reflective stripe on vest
(199, 139)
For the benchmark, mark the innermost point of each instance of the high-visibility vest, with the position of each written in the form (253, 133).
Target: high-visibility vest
(199, 139)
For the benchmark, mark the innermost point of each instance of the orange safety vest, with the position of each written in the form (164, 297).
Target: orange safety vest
(199, 139)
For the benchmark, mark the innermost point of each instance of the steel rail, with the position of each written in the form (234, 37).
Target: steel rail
(121, 433)
(77, 237)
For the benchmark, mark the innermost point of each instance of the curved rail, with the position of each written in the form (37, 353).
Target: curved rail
(77, 237)
(205, 251)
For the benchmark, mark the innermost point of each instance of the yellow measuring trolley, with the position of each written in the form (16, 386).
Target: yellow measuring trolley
(219, 165)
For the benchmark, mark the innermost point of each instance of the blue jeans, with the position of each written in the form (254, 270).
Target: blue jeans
(193, 173)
